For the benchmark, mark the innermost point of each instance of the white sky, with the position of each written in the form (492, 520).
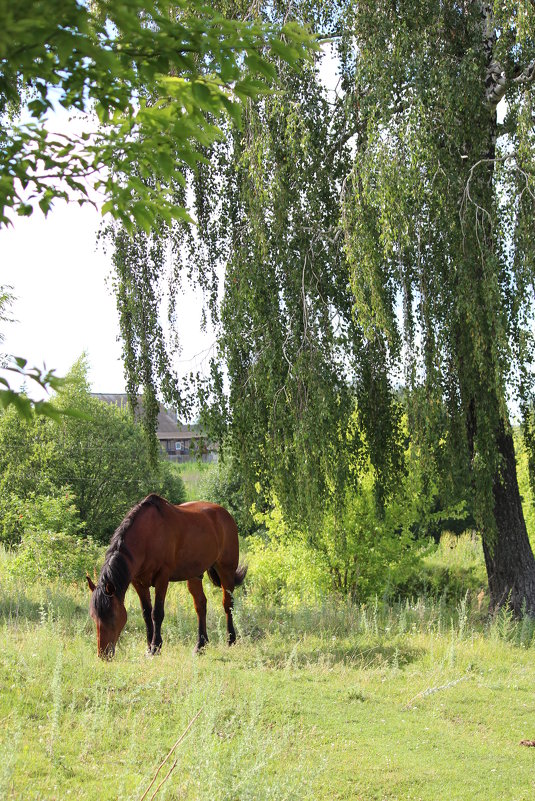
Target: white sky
(64, 306)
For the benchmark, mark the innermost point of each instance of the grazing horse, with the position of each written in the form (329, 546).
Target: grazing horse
(156, 543)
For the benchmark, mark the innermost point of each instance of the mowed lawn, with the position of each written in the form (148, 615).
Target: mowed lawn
(340, 702)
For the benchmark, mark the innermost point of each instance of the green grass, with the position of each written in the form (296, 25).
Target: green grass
(413, 701)
(193, 475)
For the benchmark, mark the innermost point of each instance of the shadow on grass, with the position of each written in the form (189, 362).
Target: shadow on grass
(363, 655)
(16, 606)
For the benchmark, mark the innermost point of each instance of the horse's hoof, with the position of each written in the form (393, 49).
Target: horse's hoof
(199, 648)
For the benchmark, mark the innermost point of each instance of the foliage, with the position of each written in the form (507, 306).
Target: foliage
(24, 405)
(223, 484)
(354, 552)
(284, 571)
(437, 220)
(52, 542)
(158, 75)
(6, 301)
(171, 484)
(525, 483)
(106, 459)
(268, 210)
(102, 457)
(46, 379)
(369, 554)
(39, 513)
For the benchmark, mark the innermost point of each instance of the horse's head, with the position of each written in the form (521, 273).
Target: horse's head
(109, 614)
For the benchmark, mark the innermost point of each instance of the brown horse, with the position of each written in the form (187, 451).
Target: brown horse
(156, 543)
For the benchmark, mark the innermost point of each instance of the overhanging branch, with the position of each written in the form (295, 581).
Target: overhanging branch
(496, 82)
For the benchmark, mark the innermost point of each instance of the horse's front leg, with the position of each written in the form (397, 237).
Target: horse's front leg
(146, 608)
(160, 591)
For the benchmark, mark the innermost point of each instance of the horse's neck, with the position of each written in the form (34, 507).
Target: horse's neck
(134, 555)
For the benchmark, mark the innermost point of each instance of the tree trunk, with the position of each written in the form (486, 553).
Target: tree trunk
(508, 556)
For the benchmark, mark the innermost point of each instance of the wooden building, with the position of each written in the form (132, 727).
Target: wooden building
(180, 442)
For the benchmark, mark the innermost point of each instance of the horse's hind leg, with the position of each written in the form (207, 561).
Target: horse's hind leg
(160, 590)
(228, 603)
(227, 577)
(199, 599)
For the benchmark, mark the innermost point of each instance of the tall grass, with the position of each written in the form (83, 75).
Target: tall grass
(421, 698)
(193, 475)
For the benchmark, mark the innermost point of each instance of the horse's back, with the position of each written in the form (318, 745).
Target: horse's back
(212, 510)
(211, 516)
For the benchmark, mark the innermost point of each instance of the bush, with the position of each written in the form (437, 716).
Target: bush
(48, 555)
(171, 485)
(11, 517)
(52, 544)
(222, 484)
(284, 570)
(368, 553)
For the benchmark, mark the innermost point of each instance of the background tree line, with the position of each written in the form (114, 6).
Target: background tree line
(90, 468)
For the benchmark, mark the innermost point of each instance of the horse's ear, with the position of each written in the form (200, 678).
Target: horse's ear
(109, 589)
(89, 582)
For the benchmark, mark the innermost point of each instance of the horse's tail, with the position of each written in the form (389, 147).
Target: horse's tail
(239, 576)
(213, 575)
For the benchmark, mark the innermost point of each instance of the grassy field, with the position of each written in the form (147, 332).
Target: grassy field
(193, 475)
(415, 701)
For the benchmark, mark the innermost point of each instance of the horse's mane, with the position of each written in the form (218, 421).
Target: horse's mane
(115, 569)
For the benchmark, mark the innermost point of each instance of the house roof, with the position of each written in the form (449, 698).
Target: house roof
(169, 426)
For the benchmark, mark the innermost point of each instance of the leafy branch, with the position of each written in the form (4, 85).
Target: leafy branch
(158, 74)
(26, 406)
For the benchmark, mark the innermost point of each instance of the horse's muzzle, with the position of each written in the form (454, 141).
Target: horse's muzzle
(108, 652)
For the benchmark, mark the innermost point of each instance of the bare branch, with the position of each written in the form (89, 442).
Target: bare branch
(188, 727)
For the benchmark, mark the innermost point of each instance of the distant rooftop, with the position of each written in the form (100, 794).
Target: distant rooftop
(169, 426)
(179, 441)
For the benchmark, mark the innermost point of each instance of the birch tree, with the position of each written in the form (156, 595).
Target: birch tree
(439, 235)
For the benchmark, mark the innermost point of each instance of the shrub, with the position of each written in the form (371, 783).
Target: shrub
(368, 553)
(48, 555)
(52, 544)
(171, 485)
(11, 518)
(222, 484)
(284, 570)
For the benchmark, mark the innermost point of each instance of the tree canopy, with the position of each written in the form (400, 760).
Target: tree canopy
(438, 227)
(152, 79)
(157, 74)
(377, 252)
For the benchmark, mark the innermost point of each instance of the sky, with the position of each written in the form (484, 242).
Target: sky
(64, 302)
